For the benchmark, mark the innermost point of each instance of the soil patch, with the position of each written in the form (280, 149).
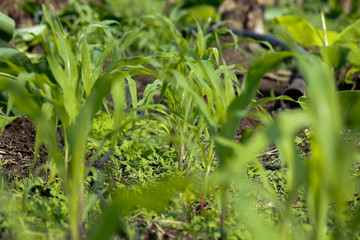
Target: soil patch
(17, 149)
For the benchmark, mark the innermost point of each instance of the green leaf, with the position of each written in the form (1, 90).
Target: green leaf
(250, 86)
(156, 198)
(336, 55)
(86, 69)
(302, 31)
(65, 52)
(348, 76)
(212, 51)
(350, 108)
(7, 26)
(30, 33)
(200, 40)
(354, 57)
(332, 37)
(181, 80)
(202, 12)
(5, 120)
(150, 91)
(65, 69)
(12, 60)
(351, 33)
(132, 90)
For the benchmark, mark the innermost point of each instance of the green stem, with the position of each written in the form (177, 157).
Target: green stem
(224, 201)
(181, 157)
(207, 173)
(7, 75)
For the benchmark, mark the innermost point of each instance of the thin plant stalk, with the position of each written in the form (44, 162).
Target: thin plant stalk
(181, 157)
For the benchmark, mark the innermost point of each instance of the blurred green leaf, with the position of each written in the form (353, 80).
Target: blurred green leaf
(331, 36)
(336, 55)
(7, 26)
(30, 33)
(202, 13)
(350, 108)
(354, 56)
(327, 171)
(351, 33)
(200, 40)
(249, 88)
(301, 30)
(13, 61)
(156, 198)
(348, 77)
(5, 120)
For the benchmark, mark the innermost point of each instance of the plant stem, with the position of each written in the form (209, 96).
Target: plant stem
(207, 172)
(181, 157)
(188, 168)
(223, 211)
(324, 28)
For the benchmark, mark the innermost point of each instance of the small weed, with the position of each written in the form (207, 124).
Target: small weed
(10, 146)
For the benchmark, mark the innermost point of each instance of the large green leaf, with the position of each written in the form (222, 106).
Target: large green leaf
(66, 74)
(351, 33)
(302, 31)
(7, 26)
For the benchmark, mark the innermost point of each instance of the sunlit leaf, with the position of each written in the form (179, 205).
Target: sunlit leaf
(301, 30)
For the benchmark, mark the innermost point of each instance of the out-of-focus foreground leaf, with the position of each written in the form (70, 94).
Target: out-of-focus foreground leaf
(350, 108)
(7, 26)
(155, 198)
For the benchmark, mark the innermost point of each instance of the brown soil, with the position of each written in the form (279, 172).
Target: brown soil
(22, 19)
(17, 149)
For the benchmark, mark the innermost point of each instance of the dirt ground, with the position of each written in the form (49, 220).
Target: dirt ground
(17, 149)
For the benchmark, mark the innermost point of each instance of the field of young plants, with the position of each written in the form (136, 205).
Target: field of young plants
(152, 120)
